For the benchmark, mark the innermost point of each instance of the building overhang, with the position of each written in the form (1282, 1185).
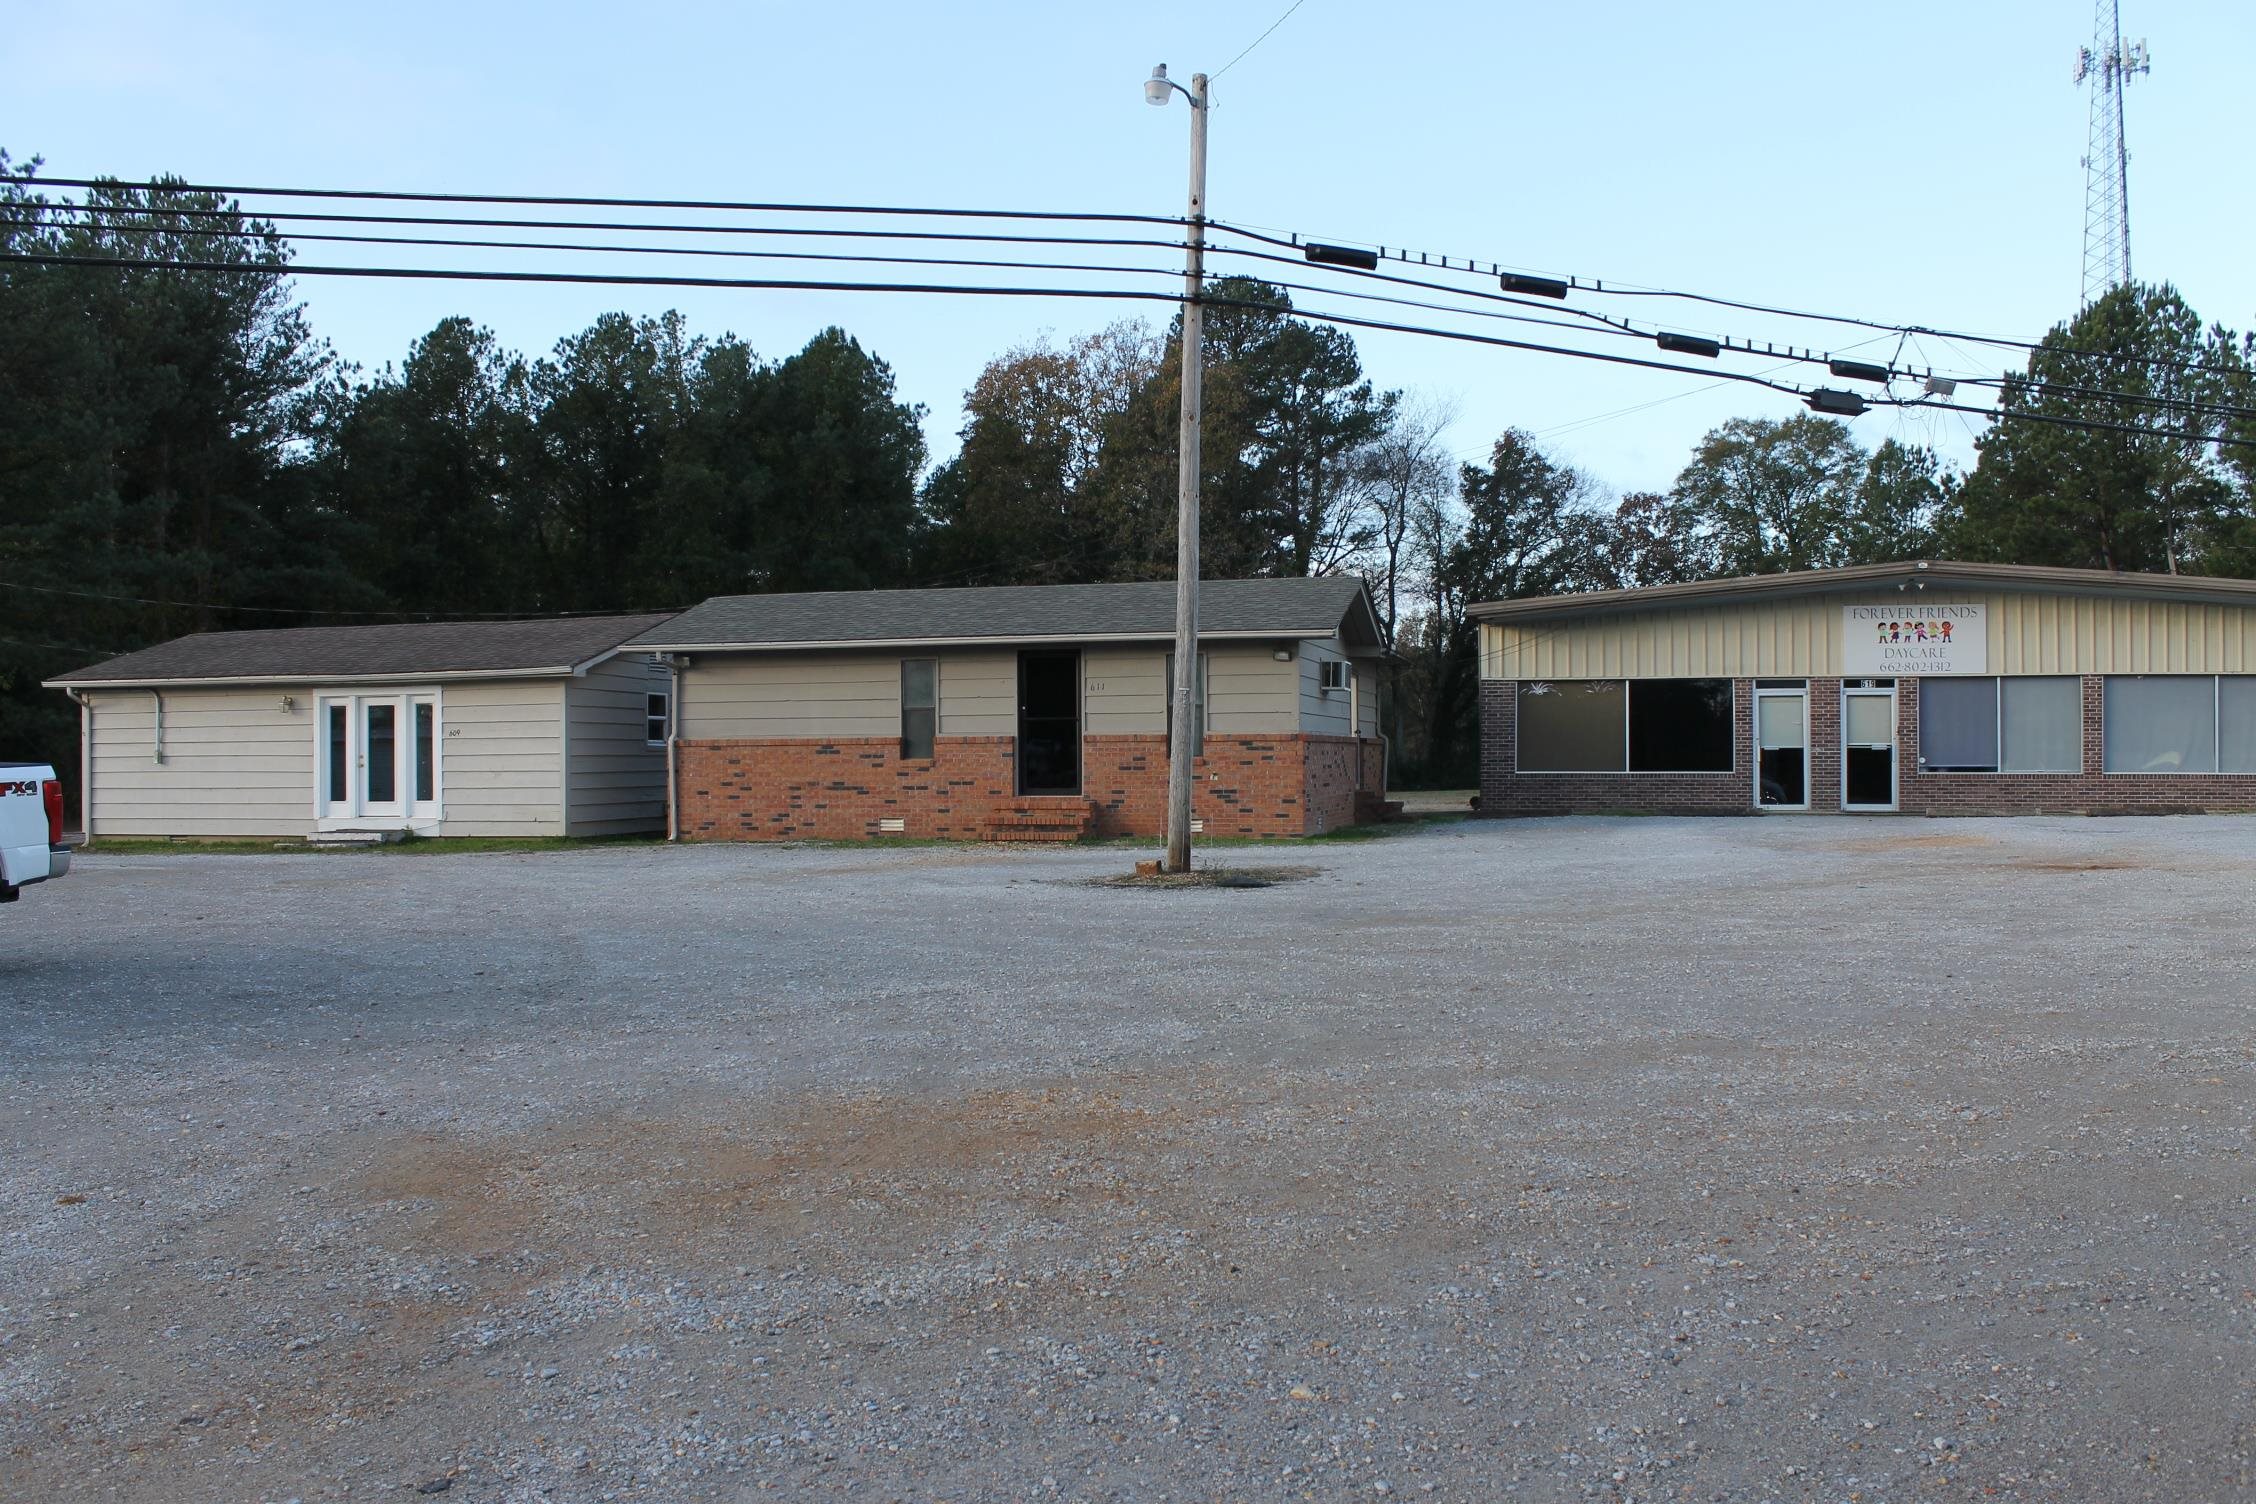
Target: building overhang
(1912, 575)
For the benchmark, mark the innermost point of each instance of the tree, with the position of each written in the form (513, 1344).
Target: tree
(150, 427)
(840, 455)
(1763, 495)
(2160, 496)
(1769, 495)
(1018, 504)
(424, 461)
(1402, 472)
(1285, 418)
(608, 408)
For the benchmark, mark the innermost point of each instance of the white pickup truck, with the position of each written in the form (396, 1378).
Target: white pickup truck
(31, 827)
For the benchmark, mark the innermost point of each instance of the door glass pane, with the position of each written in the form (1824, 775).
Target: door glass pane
(1958, 725)
(1782, 758)
(2161, 723)
(1872, 721)
(382, 743)
(1870, 774)
(2043, 725)
(426, 754)
(2236, 724)
(1780, 719)
(1573, 726)
(340, 771)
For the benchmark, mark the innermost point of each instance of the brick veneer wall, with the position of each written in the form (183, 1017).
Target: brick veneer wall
(839, 788)
(2093, 791)
(2090, 792)
(1823, 760)
(1506, 791)
(1289, 784)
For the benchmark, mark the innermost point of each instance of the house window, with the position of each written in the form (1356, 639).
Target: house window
(2236, 724)
(2179, 723)
(426, 752)
(1680, 726)
(657, 719)
(1994, 725)
(920, 706)
(1198, 704)
(1573, 726)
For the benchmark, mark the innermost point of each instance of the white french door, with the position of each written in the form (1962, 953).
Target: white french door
(378, 758)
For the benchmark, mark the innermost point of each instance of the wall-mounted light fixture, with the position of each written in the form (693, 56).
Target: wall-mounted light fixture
(1283, 655)
(289, 703)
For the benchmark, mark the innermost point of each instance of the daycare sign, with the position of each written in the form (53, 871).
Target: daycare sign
(1913, 638)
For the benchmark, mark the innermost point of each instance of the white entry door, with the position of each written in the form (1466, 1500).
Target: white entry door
(1868, 745)
(379, 758)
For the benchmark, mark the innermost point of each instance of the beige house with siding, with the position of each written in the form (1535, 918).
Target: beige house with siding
(497, 728)
(1036, 712)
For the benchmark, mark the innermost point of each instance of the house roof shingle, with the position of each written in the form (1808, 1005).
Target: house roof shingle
(389, 651)
(1277, 608)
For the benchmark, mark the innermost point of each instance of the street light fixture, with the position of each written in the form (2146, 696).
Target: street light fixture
(1182, 733)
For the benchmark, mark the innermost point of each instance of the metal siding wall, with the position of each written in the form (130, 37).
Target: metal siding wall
(2028, 634)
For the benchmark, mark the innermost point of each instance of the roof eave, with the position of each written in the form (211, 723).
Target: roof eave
(1833, 581)
(444, 676)
(834, 644)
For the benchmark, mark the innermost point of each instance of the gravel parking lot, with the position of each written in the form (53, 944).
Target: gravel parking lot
(1802, 1159)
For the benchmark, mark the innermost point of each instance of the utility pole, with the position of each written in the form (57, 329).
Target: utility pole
(2108, 63)
(1183, 737)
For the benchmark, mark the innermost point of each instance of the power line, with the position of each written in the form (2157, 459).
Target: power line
(837, 257)
(1470, 265)
(812, 285)
(950, 289)
(1257, 41)
(384, 195)
(1292, 240)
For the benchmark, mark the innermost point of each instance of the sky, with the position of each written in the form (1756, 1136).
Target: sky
(1917, 162)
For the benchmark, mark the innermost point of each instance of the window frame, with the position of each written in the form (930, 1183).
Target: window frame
(1730, 729)
(2216, 732)
(662, 717)
(1629, 711)
(1997, 713)
(932, 737)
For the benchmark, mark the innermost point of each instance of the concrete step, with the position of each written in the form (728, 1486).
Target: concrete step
(355, 837)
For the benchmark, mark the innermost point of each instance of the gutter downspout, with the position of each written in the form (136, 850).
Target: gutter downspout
(85, 762)
(156, 726)
(673, 748)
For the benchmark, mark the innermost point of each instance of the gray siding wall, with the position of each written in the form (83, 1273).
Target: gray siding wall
(618, 779)
(1322, 712)
(756, 696)
(235, 764)
(501, 769)
(1124, 692)
(1248, 692)
(978, 694)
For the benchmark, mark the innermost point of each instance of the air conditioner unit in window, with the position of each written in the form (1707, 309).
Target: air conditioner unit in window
(1335, 674)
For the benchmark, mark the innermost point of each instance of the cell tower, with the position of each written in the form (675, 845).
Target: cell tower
(2107, 63)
